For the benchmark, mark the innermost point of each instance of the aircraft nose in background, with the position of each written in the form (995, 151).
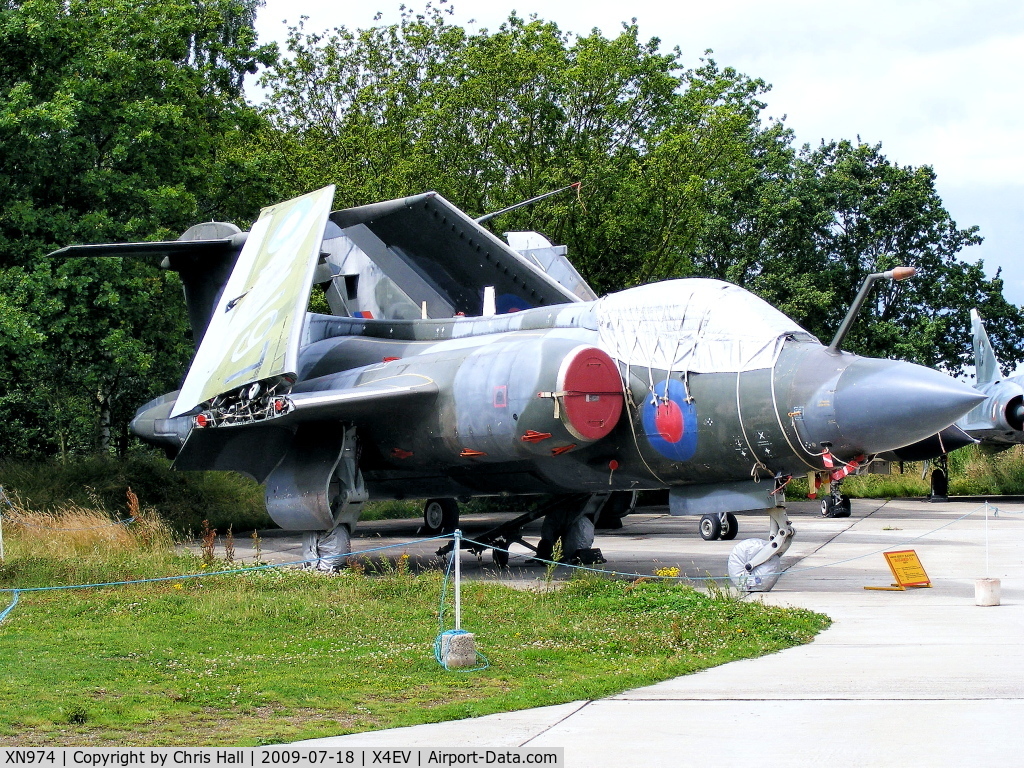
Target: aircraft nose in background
(881, 405)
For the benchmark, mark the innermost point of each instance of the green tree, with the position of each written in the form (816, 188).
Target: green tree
(682, 173)
(492, 118)
(119, 121)
(804, 237)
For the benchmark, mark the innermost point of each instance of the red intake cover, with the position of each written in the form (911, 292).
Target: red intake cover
(592, 399)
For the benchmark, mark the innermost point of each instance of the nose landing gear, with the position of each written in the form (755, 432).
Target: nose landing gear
(755, 564)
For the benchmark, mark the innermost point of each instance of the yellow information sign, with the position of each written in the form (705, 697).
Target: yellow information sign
(906, 569)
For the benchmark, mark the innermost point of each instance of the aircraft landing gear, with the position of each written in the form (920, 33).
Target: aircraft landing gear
(722, 526)
(323, 550)
(440, 516)
(569, 518)
(574, 525)
(755, 564)
(618, 505)
(834, 504)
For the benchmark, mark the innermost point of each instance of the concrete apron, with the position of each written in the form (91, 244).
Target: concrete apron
(923, 677)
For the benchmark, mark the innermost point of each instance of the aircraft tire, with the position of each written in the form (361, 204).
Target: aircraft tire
(939, 484)
(843, 509)
(710, 527)
(762, 578)
(440, 516)
(731, 527)
(827, 507)
(580, 535)
(324, 550)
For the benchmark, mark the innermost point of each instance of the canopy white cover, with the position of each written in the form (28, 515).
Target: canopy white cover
(696, 325)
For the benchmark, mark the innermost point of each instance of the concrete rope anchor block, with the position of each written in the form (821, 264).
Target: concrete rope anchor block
(986, 592)
(458, 651)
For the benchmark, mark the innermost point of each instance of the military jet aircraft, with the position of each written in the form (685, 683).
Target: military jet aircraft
(996, 423)
(696, 386)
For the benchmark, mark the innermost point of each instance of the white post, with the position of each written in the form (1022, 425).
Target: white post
(986, 590)
(986, 540)
(458, 577)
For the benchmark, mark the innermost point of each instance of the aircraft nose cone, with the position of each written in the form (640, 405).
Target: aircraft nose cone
(881, 405)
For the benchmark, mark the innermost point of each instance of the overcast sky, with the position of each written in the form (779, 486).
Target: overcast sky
(937, 82)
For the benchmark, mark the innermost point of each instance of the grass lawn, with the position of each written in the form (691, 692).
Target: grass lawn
(283, 655)
(279, 655)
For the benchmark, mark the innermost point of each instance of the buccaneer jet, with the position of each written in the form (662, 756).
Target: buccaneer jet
(441, 391)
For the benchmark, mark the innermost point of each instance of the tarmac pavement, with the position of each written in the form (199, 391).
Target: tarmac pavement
(922, 677)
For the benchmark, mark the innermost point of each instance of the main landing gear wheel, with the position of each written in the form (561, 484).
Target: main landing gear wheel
(710, 527)
(761, 578)
(724, 527)
(619, 504)
(325, 550)
(500, 558)
(440, 516)
(499, 555)
(940, 486)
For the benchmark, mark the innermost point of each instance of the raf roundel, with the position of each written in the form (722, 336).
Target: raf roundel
(670, 422)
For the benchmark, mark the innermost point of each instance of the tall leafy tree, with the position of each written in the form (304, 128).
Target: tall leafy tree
(682, 174)
(116, 124)
(805, 236)
(495, 117)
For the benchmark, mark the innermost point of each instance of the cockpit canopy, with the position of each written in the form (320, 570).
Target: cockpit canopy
(695, 325)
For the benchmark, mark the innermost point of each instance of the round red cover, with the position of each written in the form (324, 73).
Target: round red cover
(592, 402)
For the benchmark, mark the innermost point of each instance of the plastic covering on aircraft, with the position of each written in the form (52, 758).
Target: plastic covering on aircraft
(696, 325)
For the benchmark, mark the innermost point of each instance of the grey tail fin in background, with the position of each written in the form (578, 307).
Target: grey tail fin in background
(985, 362)
(203, 256)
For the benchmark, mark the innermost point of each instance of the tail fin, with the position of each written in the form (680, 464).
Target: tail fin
(204, 272)
(204, 257)
(985, 362)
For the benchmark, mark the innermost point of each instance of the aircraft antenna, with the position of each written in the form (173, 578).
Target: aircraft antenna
(488, 216)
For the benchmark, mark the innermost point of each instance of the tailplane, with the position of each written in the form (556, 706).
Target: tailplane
(204, 256)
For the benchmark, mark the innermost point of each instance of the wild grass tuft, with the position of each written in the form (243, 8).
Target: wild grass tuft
(73, 544)
(182, 499)
(73, 532)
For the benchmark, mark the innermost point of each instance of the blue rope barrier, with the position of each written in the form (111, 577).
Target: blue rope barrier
(15, 592)
(10, 607)
(180, 577)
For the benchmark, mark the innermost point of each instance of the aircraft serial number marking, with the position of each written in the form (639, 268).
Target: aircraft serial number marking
(30, 756)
